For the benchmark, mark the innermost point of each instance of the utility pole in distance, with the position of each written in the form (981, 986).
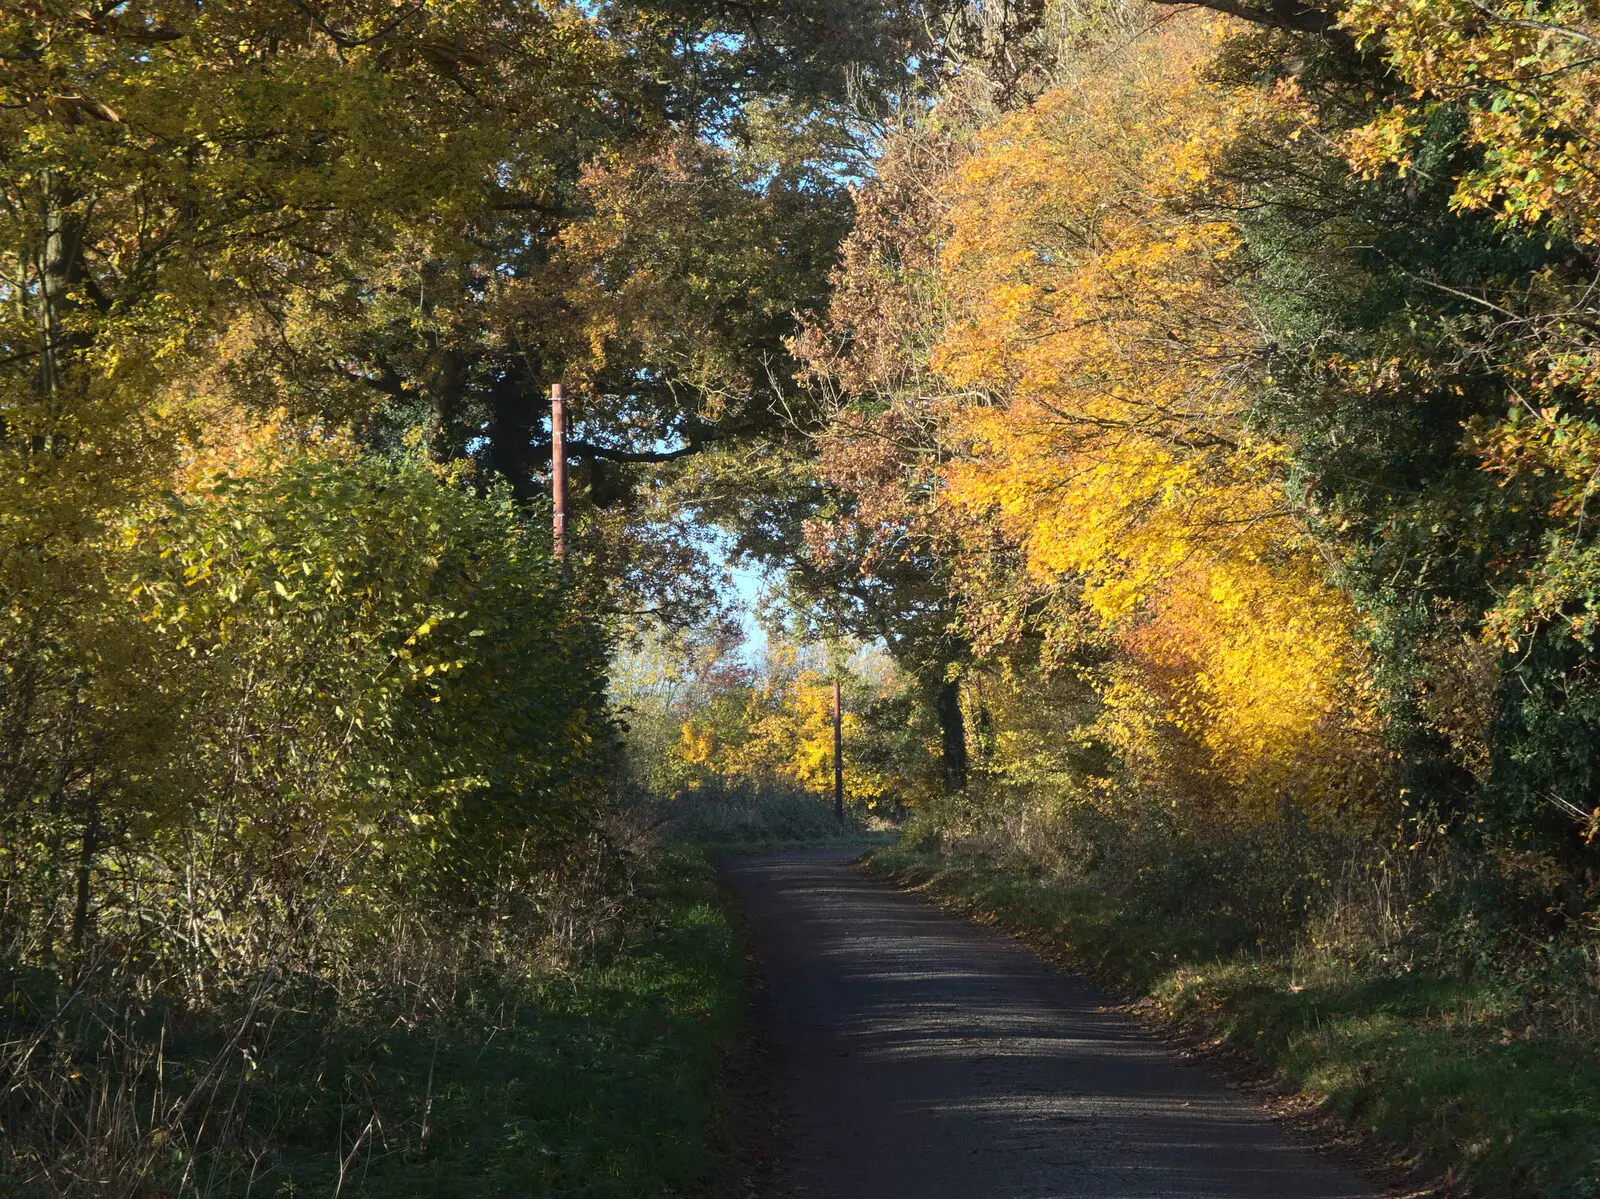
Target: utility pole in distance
(838, 754)
(558, 466)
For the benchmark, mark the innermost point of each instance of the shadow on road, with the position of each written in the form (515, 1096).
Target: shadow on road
(922, 1057)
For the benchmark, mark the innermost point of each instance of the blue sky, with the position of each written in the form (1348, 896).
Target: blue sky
(747, 585)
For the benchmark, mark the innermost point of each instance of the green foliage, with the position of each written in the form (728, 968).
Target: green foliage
(354, 684)
(408, 648)
(326, 726)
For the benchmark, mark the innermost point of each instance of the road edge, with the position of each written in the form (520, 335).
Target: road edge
(747, 1109)
(1398, 1173)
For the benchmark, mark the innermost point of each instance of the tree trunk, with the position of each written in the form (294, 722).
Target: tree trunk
(952, 736)
(86, 851)
(516, 405)
(445, 440)
(60, 269)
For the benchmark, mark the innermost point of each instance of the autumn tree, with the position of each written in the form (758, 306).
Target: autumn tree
(168, 169)
(251, 249)
(1242, 365)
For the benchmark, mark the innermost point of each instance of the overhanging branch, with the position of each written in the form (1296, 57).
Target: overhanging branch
(578, 448)
(1275, 14)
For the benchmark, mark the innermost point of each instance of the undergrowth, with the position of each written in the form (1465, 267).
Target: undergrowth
(594, 1079)
(744, 816)
(1447, 1063)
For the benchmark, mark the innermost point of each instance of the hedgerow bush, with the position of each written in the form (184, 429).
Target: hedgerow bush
(333, 731)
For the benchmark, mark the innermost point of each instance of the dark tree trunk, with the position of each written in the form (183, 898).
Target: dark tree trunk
(445, 439)
(952, 736)
(516, 408)
(60, 269)
(86, 851)
(1277, 14)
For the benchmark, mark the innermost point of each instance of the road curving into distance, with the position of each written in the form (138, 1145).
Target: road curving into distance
(914, 1055)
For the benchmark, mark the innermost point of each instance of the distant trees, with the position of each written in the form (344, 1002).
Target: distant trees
(721, 726)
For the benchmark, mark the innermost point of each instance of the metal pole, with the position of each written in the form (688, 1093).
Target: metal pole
(558, 465)
(838, 755)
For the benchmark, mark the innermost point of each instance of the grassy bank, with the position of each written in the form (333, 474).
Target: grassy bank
(595, 1080)
(1444, 1066)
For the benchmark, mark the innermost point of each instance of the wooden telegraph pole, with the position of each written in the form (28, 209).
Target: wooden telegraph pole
(558, 465)
(838, 755)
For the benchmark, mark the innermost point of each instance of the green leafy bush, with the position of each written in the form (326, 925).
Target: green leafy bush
(332, 735)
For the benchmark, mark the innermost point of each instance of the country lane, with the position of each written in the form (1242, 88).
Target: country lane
(914, 1055)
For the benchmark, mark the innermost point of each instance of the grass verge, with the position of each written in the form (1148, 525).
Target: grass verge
(599, 1081)
(1438, 1067)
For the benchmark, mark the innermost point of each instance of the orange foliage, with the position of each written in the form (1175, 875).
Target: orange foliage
(1099, 331)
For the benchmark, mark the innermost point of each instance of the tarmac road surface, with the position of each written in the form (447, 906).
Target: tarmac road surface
(914, 1055)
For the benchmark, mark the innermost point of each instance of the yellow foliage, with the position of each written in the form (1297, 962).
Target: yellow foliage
(782, 733)
(697, 748)
(1526, 84)
(1096, 321)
